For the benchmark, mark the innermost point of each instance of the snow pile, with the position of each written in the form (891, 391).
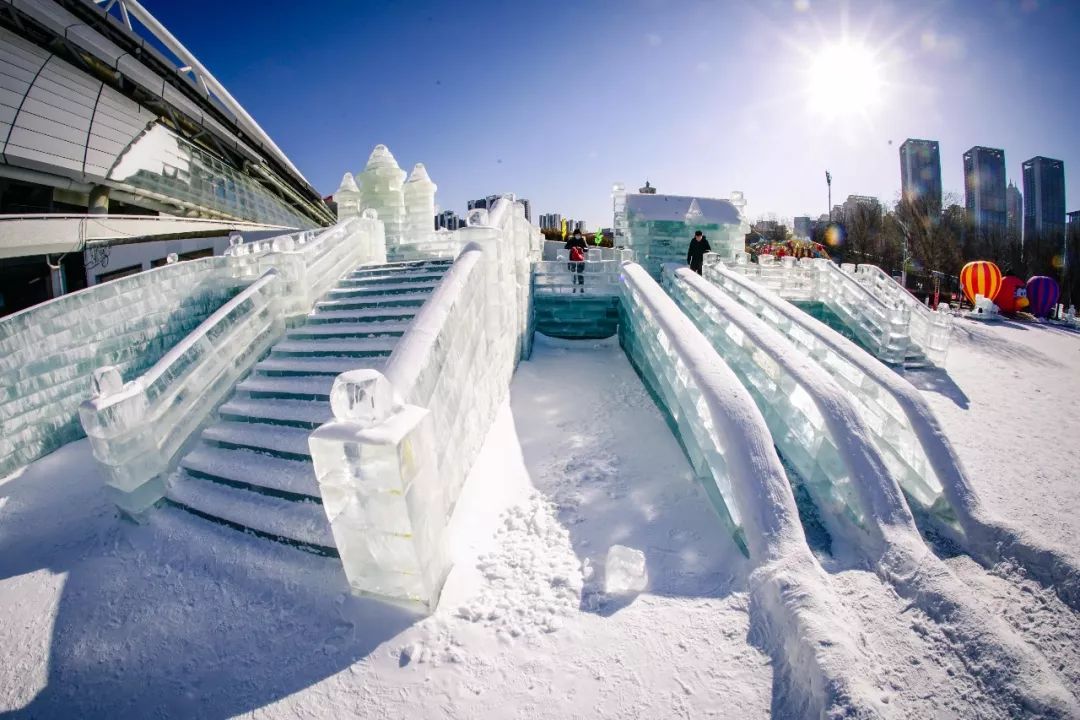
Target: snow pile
(624, 571)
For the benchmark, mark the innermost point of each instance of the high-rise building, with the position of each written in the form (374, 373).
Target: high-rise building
(920, 171)
(853, 204)
(483, 203)
(984, 188)
(448, 220)
(1044, 198)
(550, 221)
(1014, 210)
(803, 226)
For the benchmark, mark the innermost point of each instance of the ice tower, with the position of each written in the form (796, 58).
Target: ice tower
(348, 198)
(419, 206)
(381, 190)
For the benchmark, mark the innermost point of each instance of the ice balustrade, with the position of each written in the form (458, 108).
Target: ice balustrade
(391, 464)
(916, 457)
(138, 429)
(929, 329)
(47, 352)
(880, 326)
(815, 421)
(676, 363)
(600, 272)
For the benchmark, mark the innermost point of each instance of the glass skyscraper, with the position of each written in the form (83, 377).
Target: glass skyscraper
(1044, 198)
(984, 188)
(920, 171)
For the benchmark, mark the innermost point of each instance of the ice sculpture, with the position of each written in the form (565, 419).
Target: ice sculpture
(137, 429)
(658, 228)
(624, 571)
(348, 198)
(395, 456)
(381, 189)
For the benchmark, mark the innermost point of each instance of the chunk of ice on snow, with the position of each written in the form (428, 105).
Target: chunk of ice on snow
(624, 571)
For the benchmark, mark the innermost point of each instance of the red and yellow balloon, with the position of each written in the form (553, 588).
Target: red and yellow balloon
(980, 277)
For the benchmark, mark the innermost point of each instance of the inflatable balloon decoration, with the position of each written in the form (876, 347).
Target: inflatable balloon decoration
(1042, 295)
(1012, 296)
(980, 277)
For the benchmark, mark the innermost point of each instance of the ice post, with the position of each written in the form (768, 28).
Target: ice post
(419, 205)
(348, 198)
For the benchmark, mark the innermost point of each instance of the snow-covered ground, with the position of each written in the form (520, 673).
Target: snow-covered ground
(103, 618)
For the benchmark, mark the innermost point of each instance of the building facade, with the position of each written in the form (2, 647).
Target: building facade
(550, 221)
(1044, 198)
(448, 220)
(920, 172)
(1014, 211)
(984, 188)
(803, 226)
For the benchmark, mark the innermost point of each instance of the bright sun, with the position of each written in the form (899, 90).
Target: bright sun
(844, 79)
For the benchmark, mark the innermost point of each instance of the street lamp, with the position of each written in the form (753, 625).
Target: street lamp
(828, 181)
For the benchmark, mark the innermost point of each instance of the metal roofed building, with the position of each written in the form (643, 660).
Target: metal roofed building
(89, 103)
(104, 111)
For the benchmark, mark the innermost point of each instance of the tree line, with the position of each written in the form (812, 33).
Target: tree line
(940, 241)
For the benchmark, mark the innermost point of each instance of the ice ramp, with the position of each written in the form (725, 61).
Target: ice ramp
(909, 438)
(731, 450)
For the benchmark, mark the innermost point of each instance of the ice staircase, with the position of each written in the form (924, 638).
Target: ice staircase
(251, 469)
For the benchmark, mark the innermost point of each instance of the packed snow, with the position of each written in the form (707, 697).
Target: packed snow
(104, 618)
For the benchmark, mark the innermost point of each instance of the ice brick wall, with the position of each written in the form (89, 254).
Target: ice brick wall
(48, 352)
(576, 316)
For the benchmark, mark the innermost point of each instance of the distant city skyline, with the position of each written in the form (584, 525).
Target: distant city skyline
(684, 94)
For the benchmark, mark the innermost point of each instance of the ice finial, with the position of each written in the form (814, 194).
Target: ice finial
(348, 184)
(381, 157)
(693, 214)
(419, 175)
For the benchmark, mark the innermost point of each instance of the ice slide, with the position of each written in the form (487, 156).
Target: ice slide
(910, 440)
(817, 427)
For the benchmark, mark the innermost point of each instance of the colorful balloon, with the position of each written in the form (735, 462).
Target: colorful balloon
(1042, 294)
(1012, 296)
(980, 277)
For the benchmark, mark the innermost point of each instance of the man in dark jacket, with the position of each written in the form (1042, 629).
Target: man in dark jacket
(577, 247)
(695, 254)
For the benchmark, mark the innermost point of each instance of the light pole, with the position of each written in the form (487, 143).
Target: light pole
(828, 181)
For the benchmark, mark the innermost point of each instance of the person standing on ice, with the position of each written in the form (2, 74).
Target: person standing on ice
(577, 247)
(695, 254)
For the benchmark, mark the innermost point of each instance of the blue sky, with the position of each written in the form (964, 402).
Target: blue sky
(556, 100)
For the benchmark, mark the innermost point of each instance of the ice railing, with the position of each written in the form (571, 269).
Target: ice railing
(672, 357)
(901, 440)
(48, 351)
(815, 421)
(879, 326)
(928, 329)
(138, 429)
(600, 272)
(391, 464)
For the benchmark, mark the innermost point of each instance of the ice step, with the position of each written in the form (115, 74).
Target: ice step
(376, 290)
(302, 387)
(392, 278)
(412, 299)
(408, 266)
(359, 347)
(376, 314)
(287, 442)
(301, 365)
(254, 472)
(287, 521)
(346, 329)
(294, 413)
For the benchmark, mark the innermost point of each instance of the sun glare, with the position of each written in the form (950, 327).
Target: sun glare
(844, 79)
